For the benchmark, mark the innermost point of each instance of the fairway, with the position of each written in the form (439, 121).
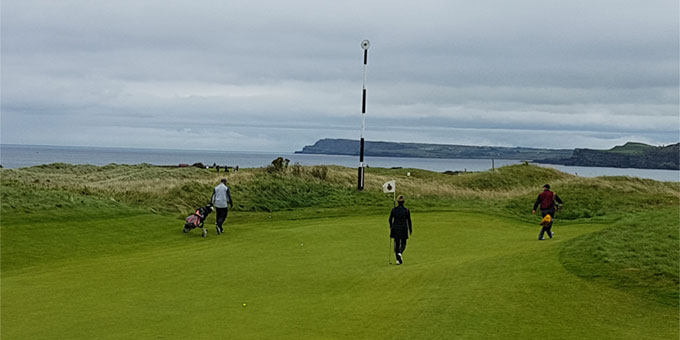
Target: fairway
(465, 276)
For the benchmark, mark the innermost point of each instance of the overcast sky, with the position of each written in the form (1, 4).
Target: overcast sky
(278, 75)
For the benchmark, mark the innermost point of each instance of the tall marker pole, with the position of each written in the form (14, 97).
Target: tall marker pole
(365, 45)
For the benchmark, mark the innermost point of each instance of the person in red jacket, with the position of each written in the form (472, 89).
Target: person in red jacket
(547, 200)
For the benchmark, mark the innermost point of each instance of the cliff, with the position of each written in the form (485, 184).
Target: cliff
(630, 155)
(422, 150)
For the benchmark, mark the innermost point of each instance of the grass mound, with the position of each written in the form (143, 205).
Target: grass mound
(638, 253)
(52, 186)
(510, 189)
(603, 198)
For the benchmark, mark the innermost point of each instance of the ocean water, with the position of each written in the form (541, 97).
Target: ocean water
(17, 156)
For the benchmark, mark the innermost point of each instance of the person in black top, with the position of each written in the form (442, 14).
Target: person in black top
(547, 201)
(400, 228)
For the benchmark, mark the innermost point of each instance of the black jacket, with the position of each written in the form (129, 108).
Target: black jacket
(400, 222)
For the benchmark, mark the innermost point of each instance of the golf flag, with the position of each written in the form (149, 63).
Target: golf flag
(389, 186)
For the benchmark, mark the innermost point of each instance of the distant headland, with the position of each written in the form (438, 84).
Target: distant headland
(630, 155)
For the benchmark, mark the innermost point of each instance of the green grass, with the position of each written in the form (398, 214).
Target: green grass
(631, 148)
(465, 276)
(633, 255)
(98, 252)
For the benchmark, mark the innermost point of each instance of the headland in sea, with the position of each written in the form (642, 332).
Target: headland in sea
(18, 156)
(629, 155)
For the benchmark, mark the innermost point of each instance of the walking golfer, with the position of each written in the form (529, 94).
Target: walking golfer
(220, 198)
(400, 228)
(547, 201)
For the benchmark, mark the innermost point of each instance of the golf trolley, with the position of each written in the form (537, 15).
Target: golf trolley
(196, 220)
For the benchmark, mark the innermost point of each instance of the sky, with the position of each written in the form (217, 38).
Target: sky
(278, 75)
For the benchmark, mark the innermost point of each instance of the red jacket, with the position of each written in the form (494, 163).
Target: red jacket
(547, 200)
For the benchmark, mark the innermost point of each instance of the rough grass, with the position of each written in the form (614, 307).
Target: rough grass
(182, 189)
(508, 191)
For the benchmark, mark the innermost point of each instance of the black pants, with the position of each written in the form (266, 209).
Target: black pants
(399, 245)
(547, 228)
(221, 216)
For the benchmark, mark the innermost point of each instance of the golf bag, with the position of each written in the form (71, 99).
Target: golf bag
(546, 220)
(196, 219)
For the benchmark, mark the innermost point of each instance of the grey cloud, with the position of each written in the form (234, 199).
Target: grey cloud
(280, 75)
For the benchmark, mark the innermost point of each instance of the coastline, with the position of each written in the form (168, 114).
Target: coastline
(18, 156)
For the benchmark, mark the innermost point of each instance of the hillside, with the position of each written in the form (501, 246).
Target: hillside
(632, 148)
(630, 155)
(421, 150)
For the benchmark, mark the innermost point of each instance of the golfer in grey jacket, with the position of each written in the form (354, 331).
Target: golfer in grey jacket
(220, 198)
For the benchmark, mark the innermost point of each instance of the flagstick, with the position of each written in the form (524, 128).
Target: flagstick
(394, 205)
(389, 253)
(364, 45)
(387, 187)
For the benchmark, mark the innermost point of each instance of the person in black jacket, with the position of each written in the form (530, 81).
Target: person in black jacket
(400, 228)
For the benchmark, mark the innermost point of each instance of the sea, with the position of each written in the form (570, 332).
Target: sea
(14, 156)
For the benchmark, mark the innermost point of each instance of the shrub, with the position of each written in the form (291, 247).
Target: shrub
(320, 172)
(278, 165)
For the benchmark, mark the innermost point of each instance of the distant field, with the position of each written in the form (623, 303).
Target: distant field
(111, 262)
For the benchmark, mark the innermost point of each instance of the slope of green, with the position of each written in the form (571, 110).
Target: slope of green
(97, 252)
(638, 253)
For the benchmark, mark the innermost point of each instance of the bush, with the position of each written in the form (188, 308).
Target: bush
(297, 170)
(320, 172)
(278, 165)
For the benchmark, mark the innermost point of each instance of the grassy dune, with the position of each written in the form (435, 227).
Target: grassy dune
(97, 252)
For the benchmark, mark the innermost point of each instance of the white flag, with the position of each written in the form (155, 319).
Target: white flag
(389, 186)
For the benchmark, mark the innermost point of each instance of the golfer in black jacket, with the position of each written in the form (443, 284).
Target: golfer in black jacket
(400, 228)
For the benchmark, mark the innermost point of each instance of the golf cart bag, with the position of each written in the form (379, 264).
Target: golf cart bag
(196, 219)
(546, 220)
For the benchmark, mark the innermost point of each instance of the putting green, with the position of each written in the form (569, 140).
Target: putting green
(465, 276)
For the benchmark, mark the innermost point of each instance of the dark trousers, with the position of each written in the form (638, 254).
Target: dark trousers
(547, 228)
(221, 216)
(399, 245)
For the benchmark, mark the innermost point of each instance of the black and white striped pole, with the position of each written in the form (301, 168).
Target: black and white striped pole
(364, 45)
